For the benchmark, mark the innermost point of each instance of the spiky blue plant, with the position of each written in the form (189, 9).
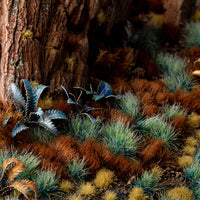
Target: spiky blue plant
(175, 75)
(149, 182)
(170, 111)
(47, 183)
(192, 34)
(84, 128)
(32, 116)
(77, 169)
(78, 108)
(158, 128)
(104, 91)
(129, 105)
(120, 139)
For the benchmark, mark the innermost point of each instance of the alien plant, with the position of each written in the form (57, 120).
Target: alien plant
(11, 168)
(32, 116)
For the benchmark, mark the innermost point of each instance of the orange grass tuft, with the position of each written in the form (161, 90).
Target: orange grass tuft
(65, 148)
(150, 110)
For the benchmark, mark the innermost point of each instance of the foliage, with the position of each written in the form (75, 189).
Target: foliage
(104, 178)
(77, 169)
(87, 189)
(30, 161)
(78, 108)
(192, 34)
(149, 182)
(28, 107)
(84, 128)
(129, 105)
(120, 139)
(47, 183)
(175, 74)
(149, 40)
(10, 170)
(171, 111)
(104, 91)
(158, 128)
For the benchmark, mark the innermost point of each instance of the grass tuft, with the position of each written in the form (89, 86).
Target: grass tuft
(158, 128)
(180, 193)
(149, 182)
(192, 34)
(30, 161)
(120, 139)
(137, 194)
(83, 128)
(104, 178)
(77, 169)
(109, 195)
(184, 161)
(191, 141)
(189, 150)
(171, 111)
(47, 183)
(175, 75)
(87, 189)
(129, 105)
(66, 185)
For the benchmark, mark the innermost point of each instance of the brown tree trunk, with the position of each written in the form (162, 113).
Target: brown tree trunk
(36, 37)
(178, 11)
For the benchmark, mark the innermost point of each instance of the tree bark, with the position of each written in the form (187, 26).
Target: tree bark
(178, 11)
(37, 39)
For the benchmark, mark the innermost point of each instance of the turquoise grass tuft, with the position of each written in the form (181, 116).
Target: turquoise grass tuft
(192, 34)
(158, 128)
(120, 139)
(83, 128)
(129, 105)
(77, 169)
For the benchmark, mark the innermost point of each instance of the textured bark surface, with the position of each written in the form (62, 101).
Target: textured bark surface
(53, 25)
(178, 11)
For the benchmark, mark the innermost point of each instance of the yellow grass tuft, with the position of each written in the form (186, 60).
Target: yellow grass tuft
(193, 120)
(189, 150)
(104, 178)
(87, 189)
(157, 171)
(101, 17)
(180, 193)
(137, 194)
(75, 197)
(66, 185)
(197, 133)
(184, 161)
(158, 20)
(35, 83)
(196, 15)
(110, 195)
(192, 141)
(46, 103)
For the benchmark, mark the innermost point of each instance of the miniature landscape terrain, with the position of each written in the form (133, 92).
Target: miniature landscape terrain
(130, 132)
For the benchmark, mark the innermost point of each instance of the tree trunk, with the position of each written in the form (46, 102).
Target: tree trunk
(48, 40)
(178, 11)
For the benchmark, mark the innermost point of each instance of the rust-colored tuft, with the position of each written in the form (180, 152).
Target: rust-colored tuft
(92, 151)
(121, 86)
(153, 150)
(119, 116)
(180, 124)
(65, 148)
(150, 110)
